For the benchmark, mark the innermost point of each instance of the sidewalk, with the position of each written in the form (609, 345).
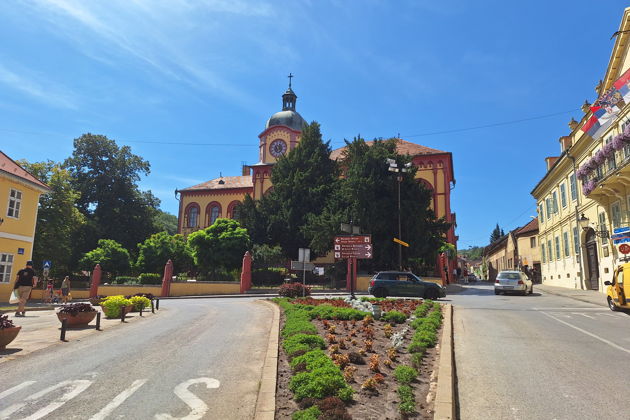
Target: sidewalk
(41, 328)
(588, 296)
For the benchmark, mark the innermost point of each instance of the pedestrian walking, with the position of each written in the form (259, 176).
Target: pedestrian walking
(65, 289)
(24, 283)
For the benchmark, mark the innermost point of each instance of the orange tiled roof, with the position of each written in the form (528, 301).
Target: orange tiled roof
(9, 166)
(403, 147)
(530, 227)
(244, 181)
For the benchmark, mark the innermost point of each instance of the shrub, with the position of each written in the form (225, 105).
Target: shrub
(112, 305)
(416, 359)
(74, 308)
(333, 408)
(294, 326)
(96, 300)
(150, 278)
(312, 360)
(305, 342)
(394, 316)
(268, 276)
(320, 383)
(311, 413)
(125, 280)
(405, 374)
(407, 402)
(294, 290)
(146, 295)
(139, 302)
(417, 347)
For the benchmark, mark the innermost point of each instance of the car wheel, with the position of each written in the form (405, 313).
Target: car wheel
(524, 292)
(531, 290)
(612, 305)
(380, 293)
(431, 294)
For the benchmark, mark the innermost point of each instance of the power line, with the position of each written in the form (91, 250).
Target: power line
(497, 124)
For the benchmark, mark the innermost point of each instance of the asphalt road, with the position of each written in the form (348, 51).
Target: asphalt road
(539, 357)
(199, 358)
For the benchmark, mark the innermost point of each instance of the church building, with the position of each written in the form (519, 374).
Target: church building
(200, 205)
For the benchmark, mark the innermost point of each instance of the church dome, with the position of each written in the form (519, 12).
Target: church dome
(288, 118)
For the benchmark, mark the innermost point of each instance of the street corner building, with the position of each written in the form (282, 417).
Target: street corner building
(19, 201)
(200, 205)
(583, 200)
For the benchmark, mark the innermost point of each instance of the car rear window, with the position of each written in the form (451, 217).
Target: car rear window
(509, 276)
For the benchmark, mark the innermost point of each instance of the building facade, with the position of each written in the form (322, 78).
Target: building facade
(200, 205)
(19, 201)
(584, 196)
(518, 250)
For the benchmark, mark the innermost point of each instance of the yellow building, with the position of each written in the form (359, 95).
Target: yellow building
(19, 200)
(518, 250)
(585, 194)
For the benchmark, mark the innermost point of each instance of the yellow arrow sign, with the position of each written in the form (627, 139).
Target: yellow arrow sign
(403, 243)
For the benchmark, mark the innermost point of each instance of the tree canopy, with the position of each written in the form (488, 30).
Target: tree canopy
(111, 256)
(497, 233)
(156, 250)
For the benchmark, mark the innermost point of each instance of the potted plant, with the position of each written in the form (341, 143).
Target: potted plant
(8, 331)
(76, 313)
(139, 302)
(112, 306)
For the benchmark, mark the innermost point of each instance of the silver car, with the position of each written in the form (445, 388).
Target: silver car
(513, 281)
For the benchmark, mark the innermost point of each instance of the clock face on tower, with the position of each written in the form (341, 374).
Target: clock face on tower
(278, 147)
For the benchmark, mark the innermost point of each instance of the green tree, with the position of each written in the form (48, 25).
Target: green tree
(220, 246)
(497, 233)
(303, 182)
(368, 196)
(156, 250)
(58, 220)
(106, 176)
(165, 222)
(265, 256)
(113, 258)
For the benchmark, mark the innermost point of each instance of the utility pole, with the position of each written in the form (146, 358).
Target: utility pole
(395, 167)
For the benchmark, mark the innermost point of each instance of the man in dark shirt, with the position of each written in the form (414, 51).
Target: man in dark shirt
(24, 283)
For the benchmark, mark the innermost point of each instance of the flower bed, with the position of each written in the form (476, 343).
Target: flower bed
(338, 362)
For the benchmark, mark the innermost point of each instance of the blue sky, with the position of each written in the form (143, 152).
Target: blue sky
(189, 85)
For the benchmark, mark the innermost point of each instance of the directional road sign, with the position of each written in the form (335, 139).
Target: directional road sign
(623, 229)
(403, 243)
(47, 264)
(359, 246)
(299, 265)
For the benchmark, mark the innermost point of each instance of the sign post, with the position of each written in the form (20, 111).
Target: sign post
(304, 255)
(351, 248)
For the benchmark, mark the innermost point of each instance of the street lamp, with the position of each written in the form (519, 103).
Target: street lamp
(395, 167)
(602, 232)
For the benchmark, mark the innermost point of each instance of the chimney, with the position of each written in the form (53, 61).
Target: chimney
(551, 160)
(246, 171)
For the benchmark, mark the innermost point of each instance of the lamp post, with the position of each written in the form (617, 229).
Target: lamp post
(395, 167)
(601, 232)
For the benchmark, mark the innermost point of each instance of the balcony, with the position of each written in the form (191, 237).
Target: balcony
(607, 173)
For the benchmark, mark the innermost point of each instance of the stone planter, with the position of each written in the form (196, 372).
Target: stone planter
(7, 335)
(81, 318)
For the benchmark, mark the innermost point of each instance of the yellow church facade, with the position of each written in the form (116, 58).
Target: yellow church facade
(200, 205)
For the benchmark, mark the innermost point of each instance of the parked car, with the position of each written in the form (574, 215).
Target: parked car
(472, 278)
(618, 294)
(401, 283)
(513, 281)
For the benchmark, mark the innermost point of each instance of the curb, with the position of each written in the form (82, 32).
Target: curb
(266, 400)
(552, 292)
(445, 406)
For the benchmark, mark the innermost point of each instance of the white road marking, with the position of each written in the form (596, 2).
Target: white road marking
(603, 340)
(15, 389)
(119, 399)
(580, 313)
(197, 406)
(78, 386)
(572, 309)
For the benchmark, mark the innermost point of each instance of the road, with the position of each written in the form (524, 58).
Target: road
(198, 358)
(539, 357)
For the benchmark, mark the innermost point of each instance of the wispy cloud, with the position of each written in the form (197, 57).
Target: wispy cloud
(156, 33)
(37, 86)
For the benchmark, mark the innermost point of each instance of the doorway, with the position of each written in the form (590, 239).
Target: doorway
(592, 259)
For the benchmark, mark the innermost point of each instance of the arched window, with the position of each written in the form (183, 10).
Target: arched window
(213, 212)
(232, 212)
(191, 216)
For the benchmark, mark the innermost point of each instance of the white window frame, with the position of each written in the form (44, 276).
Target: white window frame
(554, 199)
(541, 213)
(6, 260)
(15, 203)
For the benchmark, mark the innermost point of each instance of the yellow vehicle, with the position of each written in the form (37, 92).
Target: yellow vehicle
(618, 291)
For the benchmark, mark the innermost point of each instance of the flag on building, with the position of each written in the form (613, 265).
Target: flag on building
(607, 107)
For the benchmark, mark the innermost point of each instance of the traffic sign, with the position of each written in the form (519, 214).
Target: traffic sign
(354, 239)
(299, 265)
(623, 229)
(47, 264)
(624, 248)
(622, 240)
(403, 243)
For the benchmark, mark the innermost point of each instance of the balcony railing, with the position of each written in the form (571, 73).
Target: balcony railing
(617, 160)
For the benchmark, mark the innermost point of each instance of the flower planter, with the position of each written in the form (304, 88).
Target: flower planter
(81, 318)
(128, 309)
(7, 335)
